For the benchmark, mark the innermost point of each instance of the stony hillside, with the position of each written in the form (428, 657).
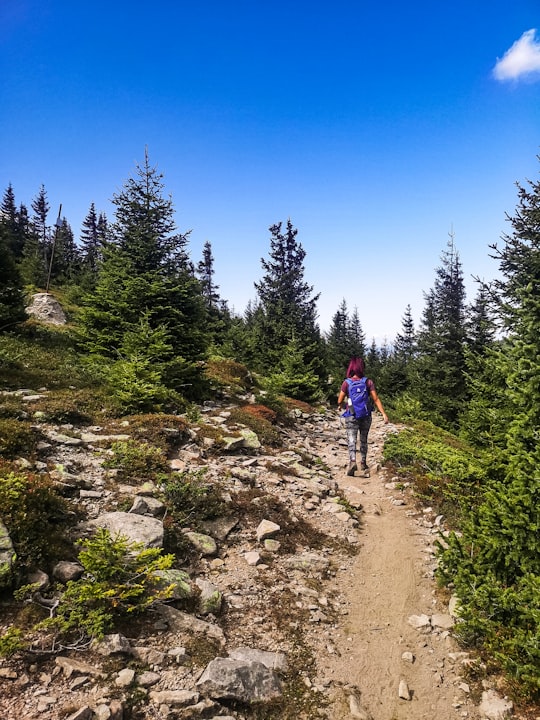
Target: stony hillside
(311, 595)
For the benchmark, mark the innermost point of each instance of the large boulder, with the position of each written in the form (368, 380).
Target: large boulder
(46, 308)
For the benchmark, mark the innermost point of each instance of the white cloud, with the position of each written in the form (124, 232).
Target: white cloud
(523, 58)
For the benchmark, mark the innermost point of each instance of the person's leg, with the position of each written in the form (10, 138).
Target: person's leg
(351, 425)
(363, 425)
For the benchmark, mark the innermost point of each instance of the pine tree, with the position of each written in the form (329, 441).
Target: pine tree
(287, 309)
(90, 243)
(146, 273)
(438, 373)
(338, 345)
(405, 342)
(11, 228)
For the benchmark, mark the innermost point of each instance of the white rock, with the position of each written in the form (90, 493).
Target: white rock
(495, 707)
(404, 692)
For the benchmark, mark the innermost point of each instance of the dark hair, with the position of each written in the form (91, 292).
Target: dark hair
(356, 367)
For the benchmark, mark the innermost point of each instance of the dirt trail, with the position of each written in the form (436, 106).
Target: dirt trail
(390, 580)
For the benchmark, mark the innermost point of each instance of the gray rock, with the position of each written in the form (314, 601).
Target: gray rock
(181, 622)
(308, 561)
(246, 682)
(267, 529)
(112, 645)
(272, 660)
(147, 679)
(495, 707)
(137, 528)
(84, 713)
(219, 528)
(205, 544)
(180, 580)
(71, 666)
(210, 599)
(174, 698)
(64, 571)
(147, 506)
(125, 678)
(442, 621)
(46, 308)
(404, 692)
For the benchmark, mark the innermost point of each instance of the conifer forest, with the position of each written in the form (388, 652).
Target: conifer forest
(148, 332)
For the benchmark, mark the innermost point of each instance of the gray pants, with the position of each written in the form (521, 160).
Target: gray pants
(354, 427)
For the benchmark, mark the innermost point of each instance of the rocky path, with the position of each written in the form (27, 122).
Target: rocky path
(389, 669)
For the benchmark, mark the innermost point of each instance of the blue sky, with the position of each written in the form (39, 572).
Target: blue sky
(377, 128)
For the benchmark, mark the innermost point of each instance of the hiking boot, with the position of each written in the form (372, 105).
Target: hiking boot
(352, 468)
(364, 469)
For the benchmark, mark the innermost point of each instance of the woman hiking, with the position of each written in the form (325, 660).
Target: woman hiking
(361, 396)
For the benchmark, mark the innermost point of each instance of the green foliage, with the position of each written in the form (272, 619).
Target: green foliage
(254, 418)
(190, 499)
(16, 437)
(121, 579)
(11, 642)
(35, 516)
(296, 376)
(446, 470)
(43, 355)
(137, 461)
(146, 274)
(494, 564)
(227, 373)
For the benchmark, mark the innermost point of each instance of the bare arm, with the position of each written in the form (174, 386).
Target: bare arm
(378, 404)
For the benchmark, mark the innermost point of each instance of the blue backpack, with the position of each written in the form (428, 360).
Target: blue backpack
(361, 401)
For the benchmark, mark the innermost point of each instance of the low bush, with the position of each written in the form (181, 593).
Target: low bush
(35, 516)
(16, 437)
(121, 579)
(137, 461)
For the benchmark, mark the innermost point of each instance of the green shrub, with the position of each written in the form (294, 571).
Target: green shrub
(121, 579)
(190, 500)
(34, 515)
(256, 418)
(16, 437)
(137, 460)
(444, 468)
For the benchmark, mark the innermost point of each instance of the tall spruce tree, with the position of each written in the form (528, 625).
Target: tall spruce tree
(287, 309)
(438, 373)
(90, 243)
(12, 230)
(146, 275)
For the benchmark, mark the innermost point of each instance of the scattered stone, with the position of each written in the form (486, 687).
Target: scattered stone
(442, 621)
(404, 692)
(125, 678)
(267, 529)
(252, 558)
(65, 571)
(174, 698)
(420, 622)
(210, 599)
(204, 544)
(115, 644)
(495, 707)
(239, 680)
(137, 528)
